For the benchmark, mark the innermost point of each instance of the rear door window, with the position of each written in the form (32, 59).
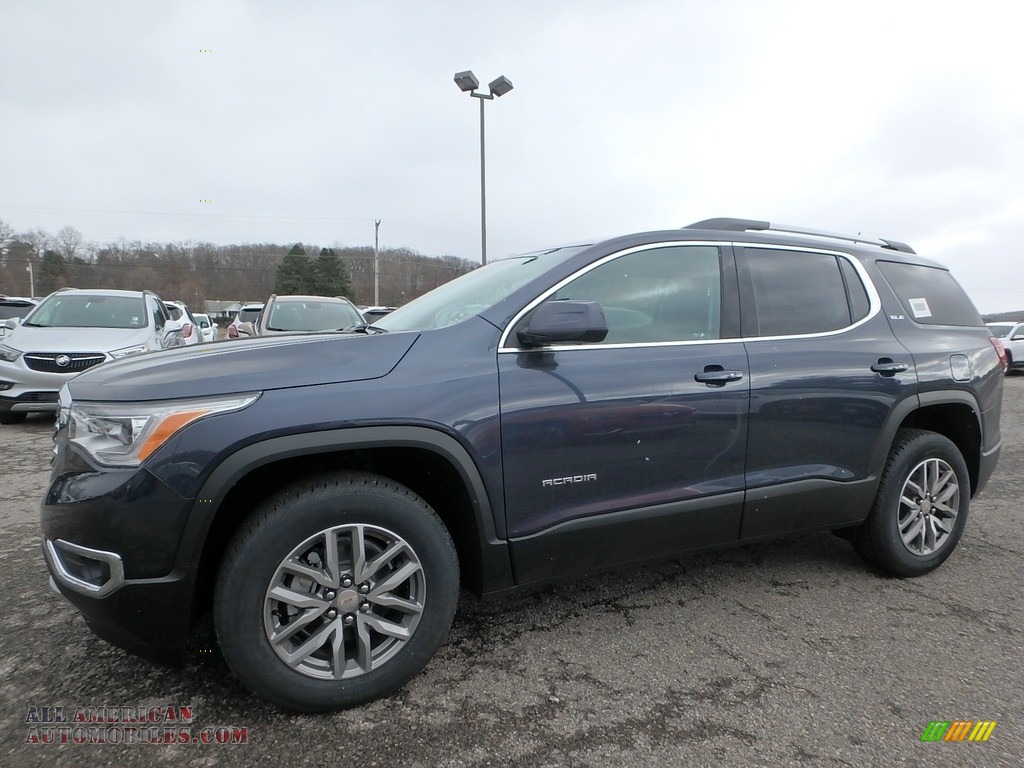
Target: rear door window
(793, 293)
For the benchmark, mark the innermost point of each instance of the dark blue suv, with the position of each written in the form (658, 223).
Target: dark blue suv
(549, 414)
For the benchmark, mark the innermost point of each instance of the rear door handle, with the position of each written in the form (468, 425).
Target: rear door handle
(716, 376)
(888, 367)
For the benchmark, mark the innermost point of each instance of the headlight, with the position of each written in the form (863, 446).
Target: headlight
(9, 354)
(126, 434)
(138, 349)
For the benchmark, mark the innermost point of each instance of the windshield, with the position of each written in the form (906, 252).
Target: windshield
(312, 315)
(472, 293)
(84, 311)
(249, 314)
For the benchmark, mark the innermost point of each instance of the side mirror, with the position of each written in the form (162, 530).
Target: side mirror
(246, 329)
(563, 321)
(12, 323)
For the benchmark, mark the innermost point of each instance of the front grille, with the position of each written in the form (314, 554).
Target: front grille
(37, 397)
(50, 362)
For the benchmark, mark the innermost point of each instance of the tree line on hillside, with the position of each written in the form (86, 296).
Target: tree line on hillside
(194, 272)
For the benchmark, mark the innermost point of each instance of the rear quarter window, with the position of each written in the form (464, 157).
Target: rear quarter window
(930, 295)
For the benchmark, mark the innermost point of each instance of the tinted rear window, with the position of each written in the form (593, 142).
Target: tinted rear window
(801, 292)
(930, 295)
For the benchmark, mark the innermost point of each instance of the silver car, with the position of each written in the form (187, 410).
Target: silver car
(70, 331)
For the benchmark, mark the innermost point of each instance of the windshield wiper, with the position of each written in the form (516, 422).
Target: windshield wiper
(364, 328)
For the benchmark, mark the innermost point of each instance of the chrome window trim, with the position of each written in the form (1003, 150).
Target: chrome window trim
(502, 349)
(874, 301)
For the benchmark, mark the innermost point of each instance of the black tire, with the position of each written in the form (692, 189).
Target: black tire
(12, 417)
(288, 537)
(930, 521)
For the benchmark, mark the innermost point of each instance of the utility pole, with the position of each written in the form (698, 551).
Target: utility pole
(376, 262)
(31, 281)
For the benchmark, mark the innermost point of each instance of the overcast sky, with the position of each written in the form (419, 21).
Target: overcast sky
(305, 121)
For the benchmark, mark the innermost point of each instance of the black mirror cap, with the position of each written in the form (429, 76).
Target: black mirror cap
(562, 321)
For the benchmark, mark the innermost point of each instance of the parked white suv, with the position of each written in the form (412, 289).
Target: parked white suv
(1012, 335)
(70, 331)
(180, 314)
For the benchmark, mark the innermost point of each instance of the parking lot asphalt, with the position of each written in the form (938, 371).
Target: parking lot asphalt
(790, 653)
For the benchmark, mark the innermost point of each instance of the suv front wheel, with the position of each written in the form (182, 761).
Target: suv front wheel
(336, 592)
(921, 506)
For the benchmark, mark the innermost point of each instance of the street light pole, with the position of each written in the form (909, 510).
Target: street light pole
(483, 184)
(467, 82)
(31, 281)
(376, 262)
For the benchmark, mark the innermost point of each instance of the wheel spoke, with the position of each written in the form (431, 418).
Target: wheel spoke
(399, 603)
(910, 501)
(912, 533)
(294, 625)
(383, 559)
(394, 580)
(364, 653)
(338, 652)
(388, 628)
(301, 569)
(331, 567)
(916, 489)
(358, 553)
(312, 645)
(931, 536)
(297, 599)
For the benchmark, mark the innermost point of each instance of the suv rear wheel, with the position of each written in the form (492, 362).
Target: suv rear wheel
(921, 507)
(338, 591)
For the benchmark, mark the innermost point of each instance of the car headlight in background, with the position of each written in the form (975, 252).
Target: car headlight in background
(138, 349)
(126, 434)
(9, 354)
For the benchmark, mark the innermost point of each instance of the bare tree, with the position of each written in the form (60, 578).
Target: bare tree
(69, 243)
(6, 237)
(38, 240)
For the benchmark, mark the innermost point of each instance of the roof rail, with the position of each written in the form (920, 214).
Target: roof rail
(745, 225)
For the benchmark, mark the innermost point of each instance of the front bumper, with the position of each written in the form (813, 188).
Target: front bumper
(148, 617)
(110, 539)
(23, 390)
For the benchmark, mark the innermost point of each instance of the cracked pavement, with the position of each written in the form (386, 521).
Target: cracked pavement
(780, 654)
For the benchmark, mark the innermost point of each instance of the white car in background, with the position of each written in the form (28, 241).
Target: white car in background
(14, 306)
(1011, 333)
(69, 332)
(207, 330)
(247, 314)
(181, 315)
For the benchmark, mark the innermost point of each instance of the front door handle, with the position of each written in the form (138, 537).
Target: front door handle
(888, 367)
(716, 376)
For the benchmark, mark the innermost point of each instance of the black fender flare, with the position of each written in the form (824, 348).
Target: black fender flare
(496, 570)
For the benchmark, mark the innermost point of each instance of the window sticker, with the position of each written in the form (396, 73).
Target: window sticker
(920, 308)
